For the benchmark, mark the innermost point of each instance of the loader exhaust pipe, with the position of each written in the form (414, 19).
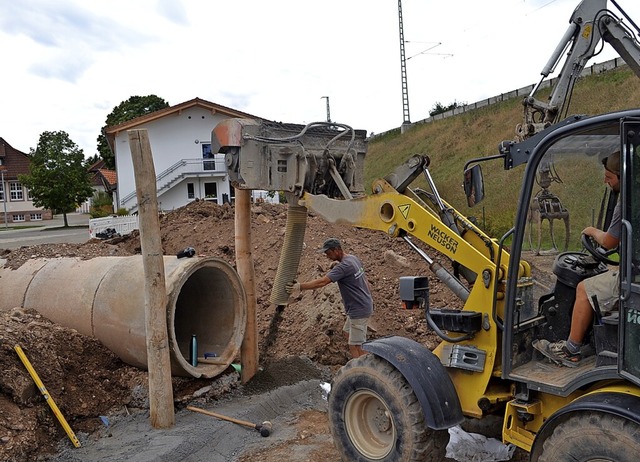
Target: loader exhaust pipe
(104, 298)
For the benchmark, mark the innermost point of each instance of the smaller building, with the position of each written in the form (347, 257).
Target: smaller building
(102, 180)
(15, 199)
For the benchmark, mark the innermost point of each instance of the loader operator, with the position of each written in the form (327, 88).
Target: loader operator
(354, 289)
(605, 286)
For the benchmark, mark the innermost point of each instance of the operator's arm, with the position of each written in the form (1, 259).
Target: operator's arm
(606, 240)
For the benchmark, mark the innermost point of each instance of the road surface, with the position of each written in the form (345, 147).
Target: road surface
(46, 232)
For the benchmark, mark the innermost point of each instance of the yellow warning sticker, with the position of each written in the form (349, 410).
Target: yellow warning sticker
(404, 210)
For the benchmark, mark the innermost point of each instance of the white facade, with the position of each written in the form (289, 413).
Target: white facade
(181, 148)
(17, 204)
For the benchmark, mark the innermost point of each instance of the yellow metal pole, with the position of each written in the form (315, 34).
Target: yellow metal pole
(47, 397)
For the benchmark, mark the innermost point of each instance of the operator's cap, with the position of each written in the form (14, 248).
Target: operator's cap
(330, 243)
(612, 163)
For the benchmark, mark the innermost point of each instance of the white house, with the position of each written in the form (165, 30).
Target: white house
(186, 169)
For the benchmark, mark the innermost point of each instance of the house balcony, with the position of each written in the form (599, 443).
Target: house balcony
(184, 168)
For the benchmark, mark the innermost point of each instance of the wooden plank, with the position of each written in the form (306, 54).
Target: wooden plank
(158, 360)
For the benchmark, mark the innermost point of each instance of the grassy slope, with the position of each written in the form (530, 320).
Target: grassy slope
(452, 141)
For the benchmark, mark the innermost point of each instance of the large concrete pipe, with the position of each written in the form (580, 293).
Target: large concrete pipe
(104, 298)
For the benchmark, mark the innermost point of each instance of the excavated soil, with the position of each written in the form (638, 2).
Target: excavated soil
(302, 342)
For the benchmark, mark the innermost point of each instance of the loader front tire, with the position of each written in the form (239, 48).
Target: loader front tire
(375, 416)
(593, 437)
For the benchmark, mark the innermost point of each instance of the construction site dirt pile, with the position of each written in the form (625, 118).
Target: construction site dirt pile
(88, 381)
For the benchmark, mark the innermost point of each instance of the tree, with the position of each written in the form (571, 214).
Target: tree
(89, 161)
(57, 179)
(135, 106)
(438, 108)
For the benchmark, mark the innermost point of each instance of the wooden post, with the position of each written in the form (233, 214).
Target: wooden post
(155, 293)
(246, 271)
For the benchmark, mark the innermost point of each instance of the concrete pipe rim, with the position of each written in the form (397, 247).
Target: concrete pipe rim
(237, 328)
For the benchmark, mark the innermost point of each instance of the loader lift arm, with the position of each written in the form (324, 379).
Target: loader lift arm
(591, 24)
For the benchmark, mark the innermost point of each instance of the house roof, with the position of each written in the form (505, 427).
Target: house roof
(97, 165)
(15, 162)
(102, 176)
(109, 176)
(112, 131)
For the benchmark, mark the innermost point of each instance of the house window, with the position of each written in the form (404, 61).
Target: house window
(2, 192)
(190, 191)
(17, 217)
(35, 216)
(211, 191)
(208, 162)
(29, 195)
(16, 193)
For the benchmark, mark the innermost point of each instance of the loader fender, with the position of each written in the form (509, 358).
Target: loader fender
(622, 405)
(427, 377)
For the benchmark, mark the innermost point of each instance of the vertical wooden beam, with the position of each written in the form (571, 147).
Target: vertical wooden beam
(155, 293)
(246, 271)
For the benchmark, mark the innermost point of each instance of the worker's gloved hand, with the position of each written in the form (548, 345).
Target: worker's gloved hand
(293, 288)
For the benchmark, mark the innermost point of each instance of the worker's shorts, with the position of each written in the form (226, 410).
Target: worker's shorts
(357, 330)
(606, 288)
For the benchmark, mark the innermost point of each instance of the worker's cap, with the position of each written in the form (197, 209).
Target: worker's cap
(330, 243)
(612, 163)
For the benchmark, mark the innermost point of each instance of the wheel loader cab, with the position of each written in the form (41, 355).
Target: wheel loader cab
(565, 163)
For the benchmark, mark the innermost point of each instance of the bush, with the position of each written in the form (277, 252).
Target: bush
(101, 205)
(101, 212)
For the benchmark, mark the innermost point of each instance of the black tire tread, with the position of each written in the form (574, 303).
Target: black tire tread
(426, 444)
(584, 436)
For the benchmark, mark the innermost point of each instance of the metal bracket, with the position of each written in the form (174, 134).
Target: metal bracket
(463, 357)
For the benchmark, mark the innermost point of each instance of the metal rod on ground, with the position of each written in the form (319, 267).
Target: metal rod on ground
(158, 359)
(244, 261)
(47, 397)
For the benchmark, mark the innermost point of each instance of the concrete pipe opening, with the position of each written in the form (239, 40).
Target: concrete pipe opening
(211, 304)
(104, 298)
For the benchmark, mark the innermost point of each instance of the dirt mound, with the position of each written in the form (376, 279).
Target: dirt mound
(88, 381)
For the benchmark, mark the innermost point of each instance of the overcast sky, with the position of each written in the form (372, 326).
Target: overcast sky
(66, 64)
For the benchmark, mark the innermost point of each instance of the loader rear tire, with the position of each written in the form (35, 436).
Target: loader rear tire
(375, 416)
(593, 437)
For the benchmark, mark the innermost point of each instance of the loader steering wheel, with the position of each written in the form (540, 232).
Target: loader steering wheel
(598, 252)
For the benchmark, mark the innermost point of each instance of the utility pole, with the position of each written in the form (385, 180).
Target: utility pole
(406, 120)
(328, 112)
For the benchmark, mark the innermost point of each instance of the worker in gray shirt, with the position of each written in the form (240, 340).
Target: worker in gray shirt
(354, 289)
